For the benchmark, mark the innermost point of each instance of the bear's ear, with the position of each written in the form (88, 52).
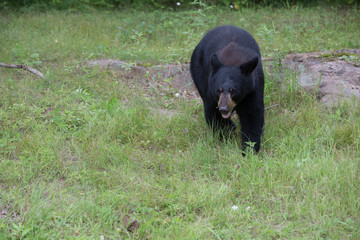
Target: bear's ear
(248, 67)
(215, 62)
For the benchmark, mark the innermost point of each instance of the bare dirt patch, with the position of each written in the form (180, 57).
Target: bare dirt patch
(177, 75)
(333, 75)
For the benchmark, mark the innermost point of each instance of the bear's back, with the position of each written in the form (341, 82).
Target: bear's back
(235, 55)
(233, 45)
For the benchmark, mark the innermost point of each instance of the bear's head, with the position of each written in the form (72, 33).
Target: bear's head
(229, 85)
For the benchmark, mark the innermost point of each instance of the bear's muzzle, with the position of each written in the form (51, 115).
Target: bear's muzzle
(226, 105)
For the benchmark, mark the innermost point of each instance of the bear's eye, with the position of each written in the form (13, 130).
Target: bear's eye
(220, 90)
(230, 90)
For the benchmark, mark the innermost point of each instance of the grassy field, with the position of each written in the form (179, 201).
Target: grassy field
(85, 149)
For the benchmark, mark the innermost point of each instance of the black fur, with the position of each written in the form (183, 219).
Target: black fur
(228, 60)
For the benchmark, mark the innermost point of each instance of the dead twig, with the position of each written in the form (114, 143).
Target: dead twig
(275, 105)
(27, 68)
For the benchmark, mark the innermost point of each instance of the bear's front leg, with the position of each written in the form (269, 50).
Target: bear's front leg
(252, 121)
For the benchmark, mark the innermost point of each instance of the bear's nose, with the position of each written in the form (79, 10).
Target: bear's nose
(223, 109)
(225, 112)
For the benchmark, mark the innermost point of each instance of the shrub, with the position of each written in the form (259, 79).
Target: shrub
(159, 4)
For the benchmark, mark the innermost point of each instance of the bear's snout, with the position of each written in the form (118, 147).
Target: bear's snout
(226, 105)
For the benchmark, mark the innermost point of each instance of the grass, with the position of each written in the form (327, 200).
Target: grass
(84, 148)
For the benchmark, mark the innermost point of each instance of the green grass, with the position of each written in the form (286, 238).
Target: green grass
(84, 148)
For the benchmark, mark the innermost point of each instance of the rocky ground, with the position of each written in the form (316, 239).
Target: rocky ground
(333, 75)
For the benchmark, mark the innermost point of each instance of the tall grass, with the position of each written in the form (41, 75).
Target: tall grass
(84, 148)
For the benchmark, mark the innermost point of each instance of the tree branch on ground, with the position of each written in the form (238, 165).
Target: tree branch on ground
(22, 66)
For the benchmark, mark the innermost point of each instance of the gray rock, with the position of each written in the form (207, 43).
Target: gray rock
(334, 76)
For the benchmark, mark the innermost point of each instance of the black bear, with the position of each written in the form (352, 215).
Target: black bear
(227, 71)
